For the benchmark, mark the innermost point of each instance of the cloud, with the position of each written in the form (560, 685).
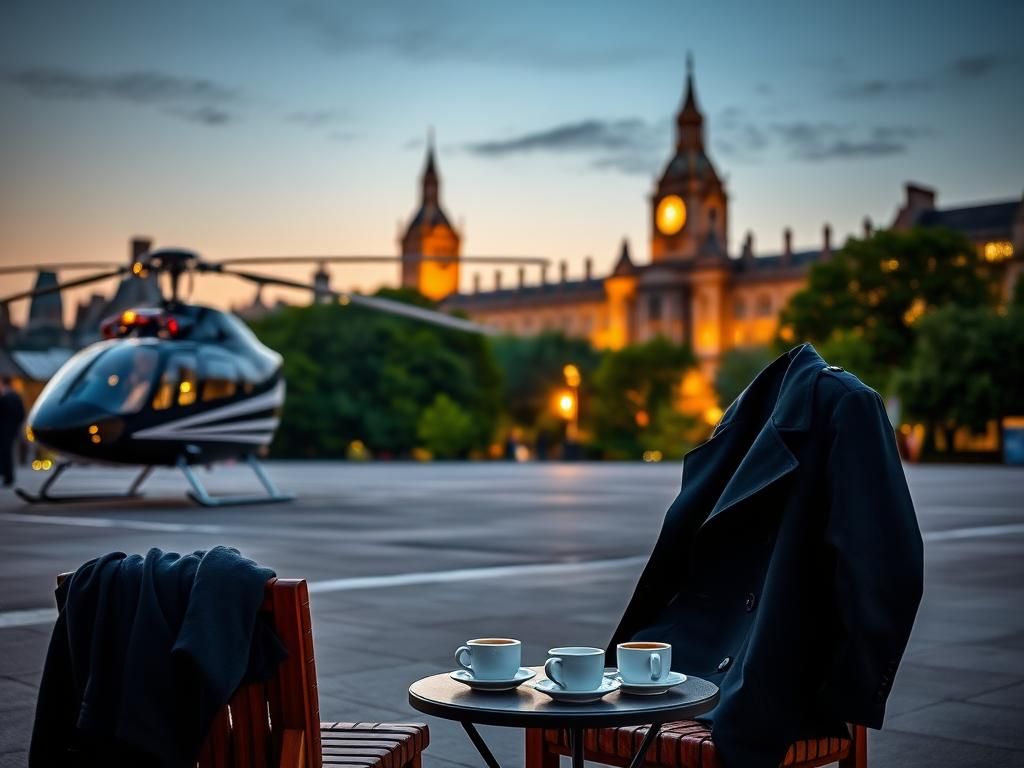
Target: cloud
(318, 118)
(816, 142)
(447, 31)
(870, 89)
(972, 67)
(198, 100)
(741, 138)
(628, 145)
(211, 116)
(582, 135)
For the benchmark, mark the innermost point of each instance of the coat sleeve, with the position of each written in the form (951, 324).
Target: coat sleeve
(879, 561)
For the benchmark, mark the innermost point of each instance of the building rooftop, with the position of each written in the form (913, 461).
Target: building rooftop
(977, 221)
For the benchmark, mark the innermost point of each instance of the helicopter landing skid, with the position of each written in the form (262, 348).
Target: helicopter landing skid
(45, 497)
(199, 495)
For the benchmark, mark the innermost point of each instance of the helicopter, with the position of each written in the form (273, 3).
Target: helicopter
(179, 384)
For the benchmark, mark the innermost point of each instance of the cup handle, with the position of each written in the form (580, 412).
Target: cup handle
(655, 666)
(549, 669)
(464, 650)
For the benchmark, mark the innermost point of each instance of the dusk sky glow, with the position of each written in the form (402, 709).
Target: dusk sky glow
(264, 128)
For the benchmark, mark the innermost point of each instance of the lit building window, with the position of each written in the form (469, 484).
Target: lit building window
(764, 305)
(998, 250)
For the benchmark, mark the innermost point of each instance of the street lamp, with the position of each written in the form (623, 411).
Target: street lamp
(569, 403)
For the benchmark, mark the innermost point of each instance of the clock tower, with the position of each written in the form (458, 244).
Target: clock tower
(689, 207)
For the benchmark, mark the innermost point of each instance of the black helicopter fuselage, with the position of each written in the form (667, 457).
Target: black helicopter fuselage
(181, 383)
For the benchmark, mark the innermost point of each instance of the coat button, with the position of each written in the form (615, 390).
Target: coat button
(724, 663)
(835, 368)
(750, 602)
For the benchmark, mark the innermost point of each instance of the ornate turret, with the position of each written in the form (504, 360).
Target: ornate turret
(430, 235)
(689, 214)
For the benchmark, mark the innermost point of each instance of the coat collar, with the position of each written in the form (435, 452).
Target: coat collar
(768, 458)
(799, 369)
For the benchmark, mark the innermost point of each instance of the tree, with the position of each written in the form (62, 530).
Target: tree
(445, 429)
(532, 370)
(635, 391)
(966, 369)
(877, 288)
(737, 369)
(357, 374)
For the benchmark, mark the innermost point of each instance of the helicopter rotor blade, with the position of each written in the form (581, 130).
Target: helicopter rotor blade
(63, 266)
(65, 286)
(329, 259)
(377, 303)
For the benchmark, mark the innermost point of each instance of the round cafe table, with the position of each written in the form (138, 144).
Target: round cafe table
(525, 707)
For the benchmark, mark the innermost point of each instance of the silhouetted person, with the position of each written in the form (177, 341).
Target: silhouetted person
(12, 414)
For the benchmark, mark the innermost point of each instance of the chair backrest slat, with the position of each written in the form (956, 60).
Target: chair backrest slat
(249, 732)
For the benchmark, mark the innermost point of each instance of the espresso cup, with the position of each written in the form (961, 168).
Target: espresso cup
(643, 662)
(490, 658)
(575, 668)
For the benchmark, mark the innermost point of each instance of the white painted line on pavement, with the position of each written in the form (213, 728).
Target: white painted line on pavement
(471, 574)
(46, 615)
(109, 522)
(27, 618)
(979, 532)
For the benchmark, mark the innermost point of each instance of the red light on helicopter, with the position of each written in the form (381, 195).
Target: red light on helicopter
(141, 322)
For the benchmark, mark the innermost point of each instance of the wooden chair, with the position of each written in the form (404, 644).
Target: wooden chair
(685, 744)
(277, 723)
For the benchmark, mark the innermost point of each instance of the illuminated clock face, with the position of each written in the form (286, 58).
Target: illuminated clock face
(671, 214)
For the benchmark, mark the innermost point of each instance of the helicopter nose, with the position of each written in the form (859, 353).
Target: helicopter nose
(75, 428)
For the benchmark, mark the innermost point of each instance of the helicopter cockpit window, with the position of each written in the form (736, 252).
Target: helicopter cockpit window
(178, 384)
(119, 380)
(220, 378)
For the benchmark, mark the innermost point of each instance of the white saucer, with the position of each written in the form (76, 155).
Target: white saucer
(654, 688)
(547, 687)
(466, 678)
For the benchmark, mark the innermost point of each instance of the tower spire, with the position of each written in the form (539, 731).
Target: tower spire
(690, 121)
(431, 182)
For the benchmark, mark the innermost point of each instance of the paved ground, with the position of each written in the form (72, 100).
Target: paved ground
(958, 700)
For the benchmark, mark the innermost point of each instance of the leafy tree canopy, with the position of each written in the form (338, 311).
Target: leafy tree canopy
(635, 392)
(737, 368)
(966, 369)
(356, 374)
(532, 370)
(876, 289)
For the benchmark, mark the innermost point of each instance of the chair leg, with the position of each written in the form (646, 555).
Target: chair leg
(858, 757)
(538, 755)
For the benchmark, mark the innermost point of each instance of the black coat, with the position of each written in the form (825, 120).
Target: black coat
(789, 568)
(144, 653)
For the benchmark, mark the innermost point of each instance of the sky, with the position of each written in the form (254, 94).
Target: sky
(276, 127)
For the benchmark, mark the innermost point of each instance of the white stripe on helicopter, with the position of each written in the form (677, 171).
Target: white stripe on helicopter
(199, 426)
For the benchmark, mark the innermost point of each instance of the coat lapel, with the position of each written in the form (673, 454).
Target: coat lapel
(768, 459)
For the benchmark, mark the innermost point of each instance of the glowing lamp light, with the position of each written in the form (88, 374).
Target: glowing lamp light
(29, 434)
(112, 380)
(566, 405)
(572, 375)
(128, 317)
(671, 214)
(713, 415)
(999, 250)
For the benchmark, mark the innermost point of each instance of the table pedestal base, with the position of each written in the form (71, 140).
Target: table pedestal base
(575, 745)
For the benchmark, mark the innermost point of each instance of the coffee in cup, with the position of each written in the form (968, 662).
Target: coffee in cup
(490, 658)
(575, 668)
(643, 662)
